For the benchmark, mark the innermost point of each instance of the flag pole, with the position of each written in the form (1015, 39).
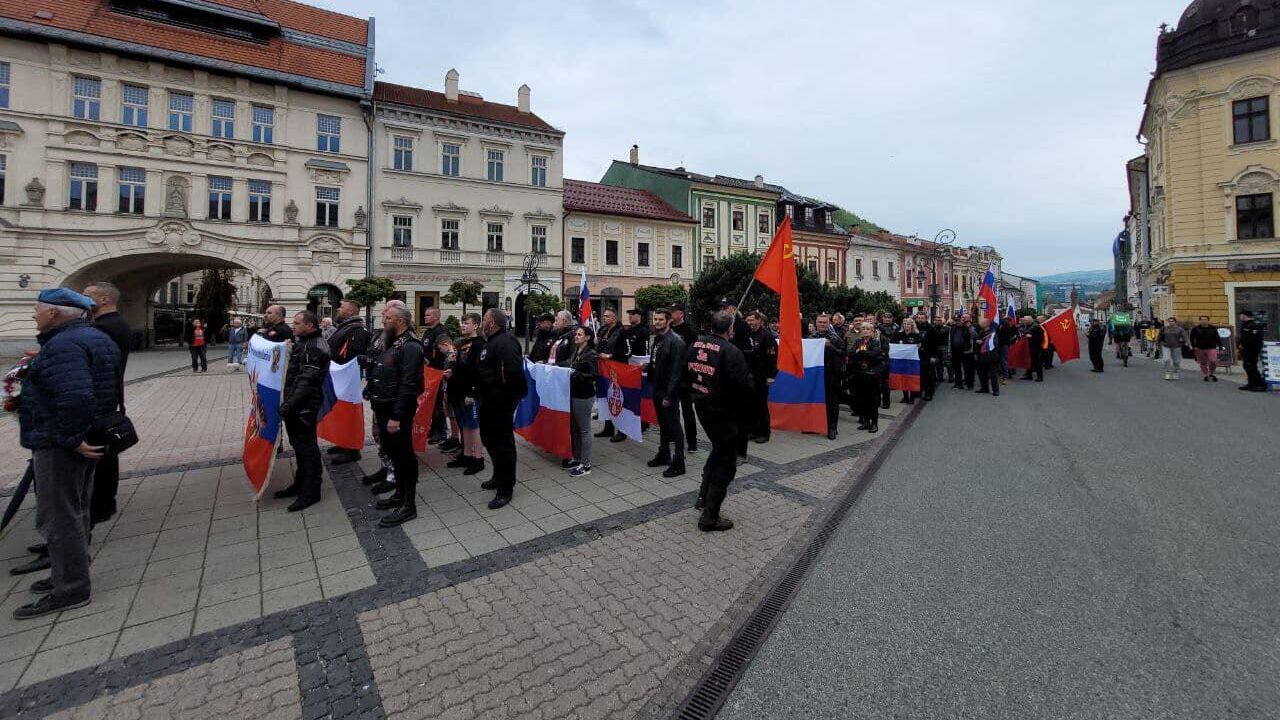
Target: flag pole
(744, 292)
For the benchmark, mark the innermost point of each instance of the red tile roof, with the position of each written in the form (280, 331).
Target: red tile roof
(610, 200)
(93, 17)
(466, 105)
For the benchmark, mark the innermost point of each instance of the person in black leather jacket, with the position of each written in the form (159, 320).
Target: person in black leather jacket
(690, 422)
(964, 341)
(867, 358)
(501, 385)
(763, 362)
(543, 335)
(394, 382)
(938, 339)
(300, 408)
(666, 367)
(833, 368)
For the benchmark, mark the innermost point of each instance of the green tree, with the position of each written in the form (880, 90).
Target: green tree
(852, 221)
(652, 297)
(453, 325)
(464, 293)
(542, 303)
(215, 298)
(728, 278)
(368, 291)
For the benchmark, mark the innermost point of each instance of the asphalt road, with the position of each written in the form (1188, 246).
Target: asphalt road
(1093, 546)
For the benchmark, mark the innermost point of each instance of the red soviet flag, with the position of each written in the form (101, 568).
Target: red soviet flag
(1020, 354)
(1061, 331)
(777, 272)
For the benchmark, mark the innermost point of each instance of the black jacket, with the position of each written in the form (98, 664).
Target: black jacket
(118, 330)
(905, 338)
(1205, 338)
(763, 358)
(981, 345)
(434, 357)
(716, 374)
(280, 332)
(1251, 334)
(936, 340)
(666, 363)
(632, 340)
(741, 334)
(963, 339)
(395, 378)
(1035, 337)
(607, 340)
(500, 373)
(1006, 335)
(540, 350)
(586, 367)
(466, 367)
(350, 339)
(867, 356)
(833, 354)
(686, 332)
(304, 380)
(562, 346)
(1096, 335)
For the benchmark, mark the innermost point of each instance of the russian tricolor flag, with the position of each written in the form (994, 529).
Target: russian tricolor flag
(341, 419)
(542, 417)
(904, 367)
(584, 302)
(987, 295)
(265, 365)
(618, 393)
(799, 404)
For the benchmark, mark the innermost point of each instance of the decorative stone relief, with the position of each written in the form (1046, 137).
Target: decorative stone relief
(325, 258)
(177, 190)
(1251, 87)
(644, 232)
(326, 177)
(129, 141)
(1254, 183)
(495, 210)
(577, 223)
(612, 227)
(176, 145)
(220, 152)
(173, 236)
(260, 160)
(35, 193)
(291, 213)
(78, 137)
(361, 216)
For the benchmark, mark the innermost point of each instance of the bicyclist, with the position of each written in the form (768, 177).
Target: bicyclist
(1121, 330)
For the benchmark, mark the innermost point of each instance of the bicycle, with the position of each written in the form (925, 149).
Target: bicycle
(1125, 353)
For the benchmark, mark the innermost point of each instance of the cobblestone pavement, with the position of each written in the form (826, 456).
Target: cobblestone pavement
(586, 597)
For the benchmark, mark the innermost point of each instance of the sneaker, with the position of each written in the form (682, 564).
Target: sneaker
(48, 605)
(1213, 378)
(569, 464)
(580, 471)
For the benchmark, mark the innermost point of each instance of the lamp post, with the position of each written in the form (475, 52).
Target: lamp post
(529, 285)
(920, 276)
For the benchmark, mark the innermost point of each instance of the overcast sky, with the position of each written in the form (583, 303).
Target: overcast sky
(1007, 121)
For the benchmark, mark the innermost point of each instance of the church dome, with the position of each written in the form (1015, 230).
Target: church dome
(1215, 29)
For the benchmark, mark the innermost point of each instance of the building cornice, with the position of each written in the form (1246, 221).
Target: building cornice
(465, 124)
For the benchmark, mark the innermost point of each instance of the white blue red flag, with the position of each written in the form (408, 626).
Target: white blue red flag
(542, 417)
(648, 413)
(988, 302)
(341, 419)
(904, 367)
(618, 391)
(798, 404)
(585, 317)
(266, 363)
(1011, 308)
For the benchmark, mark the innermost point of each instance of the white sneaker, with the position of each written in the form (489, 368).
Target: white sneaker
(1167, 376)
(580, 471)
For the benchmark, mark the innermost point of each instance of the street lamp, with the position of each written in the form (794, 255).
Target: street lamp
(920, 276)
(529, 285)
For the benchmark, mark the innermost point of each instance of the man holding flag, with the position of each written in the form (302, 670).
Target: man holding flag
(300, 408)
(349, 341)
(988, 358)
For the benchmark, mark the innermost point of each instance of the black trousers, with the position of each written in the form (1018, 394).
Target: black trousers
(989, 372)
(439, 428)
(690, 421)
(885, 392)
(199, 358)
(721, 466)
(398, 448)
(1037, 364)
(669, 431)
(962, 369)
(106, 483)
(760, 412)
(1095, 356)
(929, 375)
(1250, 362)
(497, 433)
(832, 392)
(866, 397)
(302, 436)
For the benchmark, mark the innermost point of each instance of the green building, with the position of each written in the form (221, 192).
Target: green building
(733, 215)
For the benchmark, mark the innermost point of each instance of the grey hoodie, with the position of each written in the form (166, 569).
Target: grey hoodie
(1173, 336)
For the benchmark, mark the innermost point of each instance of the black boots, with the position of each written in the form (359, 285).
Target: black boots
(376, 477)
(675, 469)
(660, 460)
(404, 512)
(713, 522)
(474, 466)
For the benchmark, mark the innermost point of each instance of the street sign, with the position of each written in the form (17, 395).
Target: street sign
(913, 302)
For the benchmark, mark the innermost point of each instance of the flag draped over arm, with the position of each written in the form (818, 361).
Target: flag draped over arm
(777, 271)
(266, 363)
(341, 419)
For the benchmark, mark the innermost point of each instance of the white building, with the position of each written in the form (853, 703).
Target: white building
(148, 139)
(873, 265)
(467, 189)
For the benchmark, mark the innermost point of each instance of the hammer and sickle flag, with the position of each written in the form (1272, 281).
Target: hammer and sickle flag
(777, 271)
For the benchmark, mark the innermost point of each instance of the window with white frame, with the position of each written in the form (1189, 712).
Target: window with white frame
(493, 236)
(86, 98)
(808, 216)
(857, 268)
(402, 152)
(260, 201)
(875, 269)
(813, 265)
(402, 231)
(450, 159)
(494, 160)
(83, 194)
(327, 206)
(677, 257)
(224, 119)
(764, 227)
(181, 105)
(791, 210)
(449, 231)
(642, 254)
(133, 189)
(4, 84)
(611, 252)
(191, 293)
(133, 105)
(538, 239)
(264, 124)
(328, 133)
(219, 198)
(538, 170)
(892, 276)
(832, 272)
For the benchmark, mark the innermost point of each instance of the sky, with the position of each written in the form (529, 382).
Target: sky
(1009, 122)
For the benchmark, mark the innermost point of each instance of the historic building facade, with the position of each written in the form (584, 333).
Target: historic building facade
(467, 189)
(1207, 192)
(144, 140)
(820, 244)
(873, 264)
(625, 239)
(925, 280)
(968, 266)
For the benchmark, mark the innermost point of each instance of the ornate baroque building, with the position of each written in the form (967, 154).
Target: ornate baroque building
(144, 139)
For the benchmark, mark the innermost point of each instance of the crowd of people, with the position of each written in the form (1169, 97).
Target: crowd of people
(1170, 342)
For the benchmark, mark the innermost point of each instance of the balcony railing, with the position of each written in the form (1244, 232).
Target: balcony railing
(473, 258)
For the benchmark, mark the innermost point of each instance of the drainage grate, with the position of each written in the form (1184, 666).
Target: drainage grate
(708, 696)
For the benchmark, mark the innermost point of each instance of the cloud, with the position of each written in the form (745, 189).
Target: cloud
(1009, 122)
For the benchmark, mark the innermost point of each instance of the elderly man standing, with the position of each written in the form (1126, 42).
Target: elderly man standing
(73, 382)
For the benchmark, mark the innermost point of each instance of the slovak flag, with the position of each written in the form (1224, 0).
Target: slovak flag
(542, 417)
(1011, 308)
(987, 295)
(904, 367)
(341, 419)
(585, 317)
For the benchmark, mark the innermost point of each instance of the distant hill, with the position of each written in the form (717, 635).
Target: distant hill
(851, 220)
(1083, 277)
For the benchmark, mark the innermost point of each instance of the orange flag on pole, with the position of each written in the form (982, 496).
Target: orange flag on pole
(777, 272)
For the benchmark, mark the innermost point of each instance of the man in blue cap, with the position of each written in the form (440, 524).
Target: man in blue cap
(73, 381)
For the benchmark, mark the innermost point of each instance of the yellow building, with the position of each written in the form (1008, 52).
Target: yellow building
(1212, 167)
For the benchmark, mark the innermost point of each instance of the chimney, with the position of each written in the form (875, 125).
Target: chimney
(760, 181)
(451, 86)
(522, 97)
(635, 154)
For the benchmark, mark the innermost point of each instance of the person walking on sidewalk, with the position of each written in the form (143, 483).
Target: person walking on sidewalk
(1205, 343)
(197, 342)
(300, 408)
(666, 366)
(585, 366)
(717, 376)
(394, 384)
(1172, 339)
(72, 384)
(1250, 345)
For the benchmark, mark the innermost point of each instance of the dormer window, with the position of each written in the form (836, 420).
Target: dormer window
(1244, 22)
(204, 16)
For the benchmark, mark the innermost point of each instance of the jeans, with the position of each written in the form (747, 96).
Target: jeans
(199, 356)
(235, 354)
(498, 435)
(1208, 360)
(302, 436)
(668, 426)
(1172, 360)
(580, 428)
(64, 488)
